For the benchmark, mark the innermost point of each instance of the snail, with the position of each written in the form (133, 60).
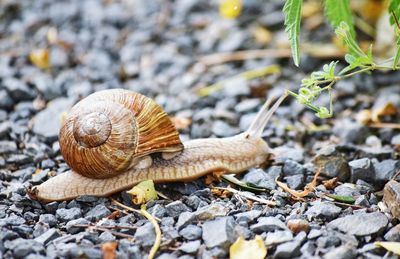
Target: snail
(114, 139)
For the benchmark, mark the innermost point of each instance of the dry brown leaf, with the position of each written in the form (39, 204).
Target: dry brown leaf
(308, 189)
(214, 177)
(115, 215)
(109, 250)
(221, 193)
(331, 183)
(386, 109)
(181, 123)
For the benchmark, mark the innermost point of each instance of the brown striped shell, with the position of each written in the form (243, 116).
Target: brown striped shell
(105, 133)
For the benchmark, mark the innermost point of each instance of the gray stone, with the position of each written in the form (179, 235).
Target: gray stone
(288, 249)
(263, 179)
(247, 105)
(347, 190)
(45, 85)
(158, 211)
(391, 197)
(332, 164)
(185, 219)
(314, 233)
(223, 129)
(7, 147)
(176, 208)
(190, 247)
(106, 237)
(351, 132)
(6, 102)
(283, 153)
(68, 214)
(191, 232)
(49, 128)
(219, 232)
(97, 213)
(292, 168)
(145, 235)
(324, 210)
(248, 216)
(361, 224)
(385, 170)
(18, 90)
(345, 251)
(362, 169)
(5, 128)
(278, 237)
(267, 224)
(48, 236)
(22, 247)
(70, 226)
(393, 234)
(295, 182)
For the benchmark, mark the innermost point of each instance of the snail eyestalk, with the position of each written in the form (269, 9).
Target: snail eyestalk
(257, 126)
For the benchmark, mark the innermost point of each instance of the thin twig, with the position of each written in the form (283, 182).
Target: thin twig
(105, 229)
(248, 196)
(153, 221)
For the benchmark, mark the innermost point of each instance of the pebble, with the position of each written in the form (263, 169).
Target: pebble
(18, 90)
(361, 224)
(295, 182)
(344, 251)
(288, 250)
(6, 102)
(333, 165)
(298, 225)
(191, 232)
(219, 232)
(190, 247)
(292, 168)
(278, 237)
(46, 128)
(48, 236)
(68, 214)
(23, 247)
(248, 216)
(283, 153)
(385, 170)
(106, 237)
(263, 179)
(175, 208)
(97, 213)
(324, 210)
(7, 147)
(267, 224)
(48, 219)
(223, 129)
(362, 169)
(391, 197)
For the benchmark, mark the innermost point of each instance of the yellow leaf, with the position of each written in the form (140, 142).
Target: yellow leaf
(40, 58)
(230, 8)
(143, 192)
(393, 247)
(253, 249)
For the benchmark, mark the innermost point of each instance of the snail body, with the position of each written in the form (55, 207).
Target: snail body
(128, 161)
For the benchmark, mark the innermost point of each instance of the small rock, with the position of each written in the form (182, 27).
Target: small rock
(191, 232)
(393, 234)
(391, 196)
(174, 209)
(7, 147)
(223, 129)
(219, 232)
(295, 182)
(46, 128)
(323, 210)
(97, 213)
(70, 226)
(385, 170)
(48, 236)
(158, 211)
(298, 225)
(49, 219)
(68, 214)
(263, 179)
(18, 90)
(333, 165)
(351, 132)
(314, 233)
(6, 102)
(190, 247)
(345, 251)
(145, 235)
(22, 247)
(247, 216)
(283, 153)
(266, 224)
(278, 237)
(288, 250)
(362, 169)
(361, 224)
(106, 237)
(292, 168)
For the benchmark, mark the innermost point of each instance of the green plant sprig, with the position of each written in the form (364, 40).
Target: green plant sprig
(321, 81)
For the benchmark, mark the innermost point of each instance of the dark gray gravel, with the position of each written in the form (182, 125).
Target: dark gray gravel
(155, 48)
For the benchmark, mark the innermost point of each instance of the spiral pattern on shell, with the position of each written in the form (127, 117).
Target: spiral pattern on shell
(107, 132)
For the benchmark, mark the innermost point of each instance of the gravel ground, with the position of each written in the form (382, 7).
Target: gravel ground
(153, 47)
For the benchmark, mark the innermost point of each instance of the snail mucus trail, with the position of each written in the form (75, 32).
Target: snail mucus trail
(106, 158)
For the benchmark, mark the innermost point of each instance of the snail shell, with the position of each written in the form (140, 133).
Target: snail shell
(108, 132)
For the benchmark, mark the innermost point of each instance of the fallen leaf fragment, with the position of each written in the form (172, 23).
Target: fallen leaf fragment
(393, 247)
(40, 58)
(109, 250)
(181, 123)
(143, 192)
(331, 183)
(230, 8)
(253, 249)
(233, 180)
(307, 190)
(340, 198)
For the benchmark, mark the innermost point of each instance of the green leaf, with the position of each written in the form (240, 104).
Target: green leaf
(397, 57)
(292, 11)
(343, 32)
(394, 9)
(248, 187)
(338, 11)
(345, 199)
